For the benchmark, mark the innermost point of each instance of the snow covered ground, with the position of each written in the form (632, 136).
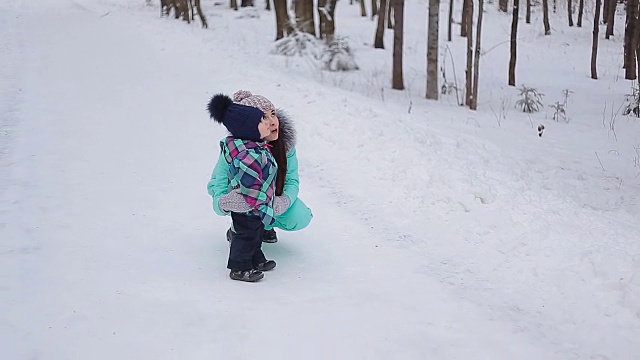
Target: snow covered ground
(438, 232)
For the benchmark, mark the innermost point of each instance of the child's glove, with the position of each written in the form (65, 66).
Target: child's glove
(281, 204)
(234, 202)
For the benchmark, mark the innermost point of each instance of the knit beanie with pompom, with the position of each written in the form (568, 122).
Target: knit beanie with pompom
(245, 97)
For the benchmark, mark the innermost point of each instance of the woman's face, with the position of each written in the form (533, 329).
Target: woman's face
(272, 126)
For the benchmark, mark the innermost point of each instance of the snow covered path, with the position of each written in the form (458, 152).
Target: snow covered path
(110, 249)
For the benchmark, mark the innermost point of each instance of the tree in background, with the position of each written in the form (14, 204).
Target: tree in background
(326, 11)
(397, 81)
(631, 40)
(580, 12)
(304, 16)
(379, 39)
(514, 39)
(570, 12)
(283, 23)
(432, 50)
(594, 46)
(503, 5)
(469, 69)
(545, 17)
(476, 60)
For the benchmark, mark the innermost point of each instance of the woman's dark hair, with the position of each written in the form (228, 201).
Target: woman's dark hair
(279, 153)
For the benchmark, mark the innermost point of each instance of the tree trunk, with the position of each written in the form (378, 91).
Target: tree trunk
(397, 82)
(469, 68)
(363, 9)
(570, 12)
(611, 18)
(514, 37)
(282, 19)
(594, 47)
(503, 5)
(450, 23)
(580, 12)
(528, 18)
(465, 18)
(476, 60)
(630, 40)
(545, 17)
(304, 16)
(605, 11)
(203, 19)
(374, 8)
(326, 11)
(233, 4)
(432, 50)
(390, 14)
(379, 39)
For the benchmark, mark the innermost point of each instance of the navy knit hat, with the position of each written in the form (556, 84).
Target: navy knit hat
(241, 120)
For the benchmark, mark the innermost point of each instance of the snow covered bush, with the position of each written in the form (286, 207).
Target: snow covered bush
(338, 56)
(298, 43)
(632, 103)
(559, 113)
(530, 99)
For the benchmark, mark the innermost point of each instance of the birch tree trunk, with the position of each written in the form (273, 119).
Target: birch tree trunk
(397, 81)
(514, 37)
(432, 50)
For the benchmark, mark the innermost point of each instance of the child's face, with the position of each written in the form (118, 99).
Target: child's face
(269, 126)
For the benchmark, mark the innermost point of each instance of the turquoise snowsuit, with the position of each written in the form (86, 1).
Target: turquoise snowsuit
(298, 215)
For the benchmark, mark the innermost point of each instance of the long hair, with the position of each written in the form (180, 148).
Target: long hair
(279, 152)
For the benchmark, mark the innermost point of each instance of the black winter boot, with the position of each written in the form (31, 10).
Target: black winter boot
(246, 275)
(269, 236)
(266, 266)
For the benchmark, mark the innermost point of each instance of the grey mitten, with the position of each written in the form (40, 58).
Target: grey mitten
(234, 202)
(281, 204)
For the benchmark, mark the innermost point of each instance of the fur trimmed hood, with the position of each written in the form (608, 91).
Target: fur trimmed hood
(287, 131)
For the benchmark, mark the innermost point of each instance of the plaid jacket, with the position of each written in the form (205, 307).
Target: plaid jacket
(253, 169)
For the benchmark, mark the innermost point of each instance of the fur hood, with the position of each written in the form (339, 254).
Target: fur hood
(287, 131)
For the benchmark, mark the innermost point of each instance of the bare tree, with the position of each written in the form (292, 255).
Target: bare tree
(503, 5)
(233, 4)
(450, 22)
(379, 39)
(363, 9)
(611, 16)
(397, 82)
(464, 18)
(374, 8)
(326, 12)
(594, 46)
(570, 12)
(476, 61)
(514, 36)
(631, 40)
(283, 23)
(304, 16)
(545, 17)
(432, 50)
(203, 19)
(390, 15)
(528, 17)
(469, 68)
(580, 12)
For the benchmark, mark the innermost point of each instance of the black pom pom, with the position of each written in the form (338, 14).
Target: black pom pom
(218, 106)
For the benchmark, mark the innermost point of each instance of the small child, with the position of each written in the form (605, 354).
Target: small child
(252, 170)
